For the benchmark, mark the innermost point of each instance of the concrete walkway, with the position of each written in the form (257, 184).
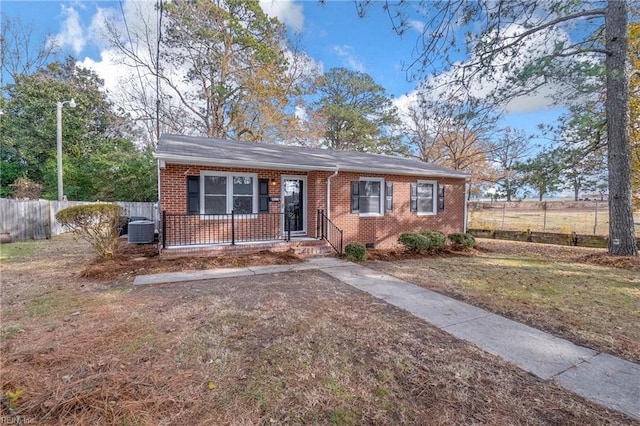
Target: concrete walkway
(601, 378)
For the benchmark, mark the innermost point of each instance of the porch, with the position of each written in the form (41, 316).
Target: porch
(242, 233)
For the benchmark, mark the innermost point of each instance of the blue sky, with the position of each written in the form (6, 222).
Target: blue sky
(331, 33)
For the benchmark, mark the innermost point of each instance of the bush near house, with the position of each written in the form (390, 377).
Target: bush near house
(355, 252)
(98, 224)
(424, 241)
(436, 239)
(461, 241)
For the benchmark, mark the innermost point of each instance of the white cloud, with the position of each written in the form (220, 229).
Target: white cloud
(301, 65)
(416, 25)
(97, 29)
(72, 36)
(402, 103)
(504, 66)
(109, 68)
(301, 113)
(349, 58)
(286, 11)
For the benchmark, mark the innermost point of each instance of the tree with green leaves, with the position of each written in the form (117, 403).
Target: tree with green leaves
(357, 112)
(582, 171)
(541, 173)
(98, 151)
(524, 46)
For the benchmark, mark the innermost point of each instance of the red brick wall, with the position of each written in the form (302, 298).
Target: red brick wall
(382, 231)
(173, 184)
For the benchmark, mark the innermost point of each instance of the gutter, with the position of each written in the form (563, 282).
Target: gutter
(180, 159)
(158, 211)
(335, 173)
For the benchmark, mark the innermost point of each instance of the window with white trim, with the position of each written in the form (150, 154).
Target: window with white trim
(367, 196)
(423, 197)
(224, 192)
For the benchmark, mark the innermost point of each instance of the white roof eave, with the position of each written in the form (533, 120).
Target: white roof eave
(182, 159)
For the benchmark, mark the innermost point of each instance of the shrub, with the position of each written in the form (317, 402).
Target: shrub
(462, 240)
(99, 224)
(414, 242)
(436, 239)
(355, 252)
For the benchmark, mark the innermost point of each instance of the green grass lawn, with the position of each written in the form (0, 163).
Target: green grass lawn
(19, 250)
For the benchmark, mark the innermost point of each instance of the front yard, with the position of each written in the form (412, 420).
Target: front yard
(294, 348)
(563, 290)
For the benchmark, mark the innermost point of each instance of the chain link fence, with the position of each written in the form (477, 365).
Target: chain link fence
(581, 217)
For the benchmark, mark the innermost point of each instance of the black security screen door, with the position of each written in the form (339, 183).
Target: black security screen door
(293, 190)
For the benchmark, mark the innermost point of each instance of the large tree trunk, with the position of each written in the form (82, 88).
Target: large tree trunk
(622, 239)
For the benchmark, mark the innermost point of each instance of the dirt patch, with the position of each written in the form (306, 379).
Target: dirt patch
(622, 262)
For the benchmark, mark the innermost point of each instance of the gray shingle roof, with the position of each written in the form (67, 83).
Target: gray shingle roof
(222, 152)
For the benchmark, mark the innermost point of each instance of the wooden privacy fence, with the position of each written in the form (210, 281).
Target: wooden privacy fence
(36, 219)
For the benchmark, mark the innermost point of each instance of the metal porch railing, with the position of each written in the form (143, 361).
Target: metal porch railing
(184, 230)
(328, 231)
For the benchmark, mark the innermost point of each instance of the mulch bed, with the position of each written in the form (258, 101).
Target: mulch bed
(141, 259)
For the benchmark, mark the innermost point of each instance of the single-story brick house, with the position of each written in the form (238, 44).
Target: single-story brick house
(217, 192)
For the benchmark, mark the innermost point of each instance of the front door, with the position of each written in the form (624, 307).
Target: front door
(295, 203)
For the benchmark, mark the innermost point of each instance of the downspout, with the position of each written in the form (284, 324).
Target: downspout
(158, 211)
(161, 165)
(329, 192)
(466, 198)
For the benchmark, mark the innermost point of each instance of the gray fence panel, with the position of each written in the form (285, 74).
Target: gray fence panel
(132, 209)
(36, 219)
(25, 220)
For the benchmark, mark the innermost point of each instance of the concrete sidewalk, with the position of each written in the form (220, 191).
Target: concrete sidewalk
(601, 378)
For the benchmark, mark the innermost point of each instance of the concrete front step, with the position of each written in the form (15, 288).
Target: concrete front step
(312, 248)
(314, 251)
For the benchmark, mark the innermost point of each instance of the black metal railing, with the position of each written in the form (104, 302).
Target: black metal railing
(327, 230)
(184, 230)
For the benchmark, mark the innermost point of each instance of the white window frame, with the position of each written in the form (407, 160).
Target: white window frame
(382, 196)
(434, 198)
(229, 176)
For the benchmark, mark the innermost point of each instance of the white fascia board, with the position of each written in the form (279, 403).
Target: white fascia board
(422, 173)
(178, 159)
